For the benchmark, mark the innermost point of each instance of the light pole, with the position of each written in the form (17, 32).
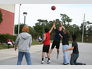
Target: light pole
(83, 29)
(25, 14)
(19, 20)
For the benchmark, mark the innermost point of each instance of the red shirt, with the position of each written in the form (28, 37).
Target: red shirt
(47, 40)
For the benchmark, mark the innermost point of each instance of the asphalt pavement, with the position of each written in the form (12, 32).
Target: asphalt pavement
(9, 56)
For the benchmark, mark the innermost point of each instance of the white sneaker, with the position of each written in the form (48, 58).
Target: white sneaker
(48, 61)
(42, 62)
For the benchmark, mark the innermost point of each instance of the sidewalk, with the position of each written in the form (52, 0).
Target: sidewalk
(10, 53)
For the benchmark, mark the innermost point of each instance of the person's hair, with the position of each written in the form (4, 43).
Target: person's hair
(74, 37)
(25, 29)
(46, 30)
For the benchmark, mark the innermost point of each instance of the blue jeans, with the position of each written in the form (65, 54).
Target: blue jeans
(27, 56)
(65, 53)
(74, 58)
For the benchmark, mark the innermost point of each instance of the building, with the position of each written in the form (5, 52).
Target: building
(7, 24)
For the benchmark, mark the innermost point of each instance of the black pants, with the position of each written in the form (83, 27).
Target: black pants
(55, 43)
(73, 60)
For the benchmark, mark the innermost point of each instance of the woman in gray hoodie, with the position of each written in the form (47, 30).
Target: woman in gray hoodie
(23, 43)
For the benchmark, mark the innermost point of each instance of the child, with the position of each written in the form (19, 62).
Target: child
(46, 44)
(65, 46)
(23, 43)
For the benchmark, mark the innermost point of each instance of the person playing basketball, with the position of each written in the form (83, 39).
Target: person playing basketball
(46, 44)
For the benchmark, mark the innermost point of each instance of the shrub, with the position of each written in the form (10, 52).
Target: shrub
(4, 37)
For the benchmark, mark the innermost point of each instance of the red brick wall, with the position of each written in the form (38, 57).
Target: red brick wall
(7, 25)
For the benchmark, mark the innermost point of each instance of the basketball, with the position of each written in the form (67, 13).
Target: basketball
(53, 7)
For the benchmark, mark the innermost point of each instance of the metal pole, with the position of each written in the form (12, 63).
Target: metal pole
(19, 20)
(83, 29)
(24, 20)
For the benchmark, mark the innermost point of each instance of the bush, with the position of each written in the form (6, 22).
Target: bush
(4, 37)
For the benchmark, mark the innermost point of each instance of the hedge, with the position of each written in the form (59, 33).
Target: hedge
(4, 37)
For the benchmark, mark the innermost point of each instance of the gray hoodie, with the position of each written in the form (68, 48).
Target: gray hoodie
(23, 42)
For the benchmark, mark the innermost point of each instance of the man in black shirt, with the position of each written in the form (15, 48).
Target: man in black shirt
(56, 40)
(75, 53)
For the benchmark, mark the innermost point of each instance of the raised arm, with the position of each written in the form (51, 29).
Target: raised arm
(63, 27)
(52, 28)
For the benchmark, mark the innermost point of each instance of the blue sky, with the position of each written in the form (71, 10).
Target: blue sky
(43, 11)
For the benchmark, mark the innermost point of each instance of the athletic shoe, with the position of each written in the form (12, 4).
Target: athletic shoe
(66, 64)
(48, 61)
(42, 62)
(83, 64)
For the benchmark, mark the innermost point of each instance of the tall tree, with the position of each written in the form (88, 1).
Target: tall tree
(16, 28)
(68, 20)
(65, 19)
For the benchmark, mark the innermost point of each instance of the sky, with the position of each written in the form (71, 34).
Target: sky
(43, 11)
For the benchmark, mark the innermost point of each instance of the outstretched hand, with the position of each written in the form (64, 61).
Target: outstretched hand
(63, 27)
(15, 49)
(66, 50)
(54, 26)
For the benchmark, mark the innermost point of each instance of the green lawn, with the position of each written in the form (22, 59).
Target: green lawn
(36, 42)
(5, 46)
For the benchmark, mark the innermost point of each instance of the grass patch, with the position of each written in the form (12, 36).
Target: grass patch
(34, 42)
(5, 46)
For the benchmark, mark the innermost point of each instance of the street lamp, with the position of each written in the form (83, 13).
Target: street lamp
(19, 20)
(25, 14)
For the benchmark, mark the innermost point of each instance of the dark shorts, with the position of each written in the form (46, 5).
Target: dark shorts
(55, 43)
(46, 48)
